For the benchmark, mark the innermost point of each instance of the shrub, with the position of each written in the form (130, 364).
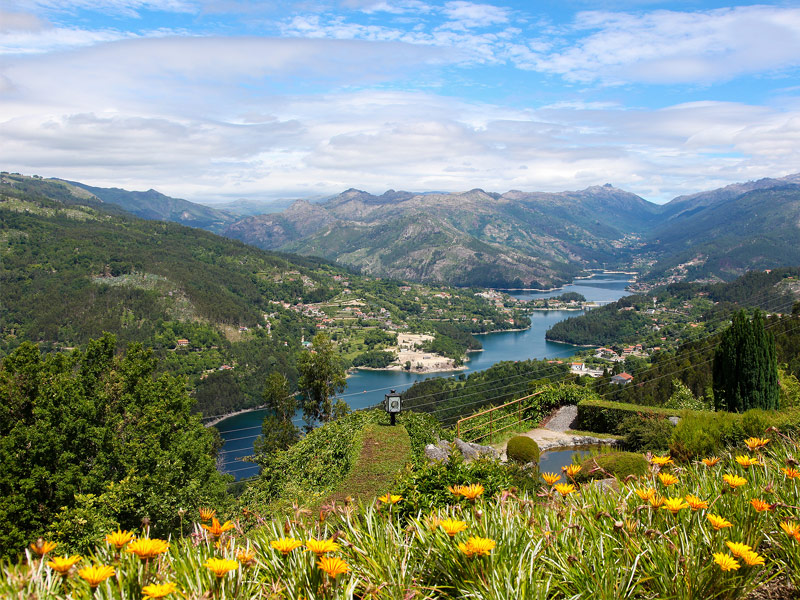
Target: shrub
(603, 416)
(643, 433)
(522, 449)
(612, 464)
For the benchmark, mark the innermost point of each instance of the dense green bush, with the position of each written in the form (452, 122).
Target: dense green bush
(612, 464)
(646, 433)
(522, 449)
(603, 416)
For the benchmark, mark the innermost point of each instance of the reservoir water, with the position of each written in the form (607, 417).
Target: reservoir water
(367, 388)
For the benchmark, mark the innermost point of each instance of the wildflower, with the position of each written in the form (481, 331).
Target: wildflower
(754, 443)
(696, 503)
(760, 505)
(726, 562)
(455, 489)
(62, 564)
(673, 505)
(656, 501)
(790, 472)
(146, 548)
(432, 522)
(645, 494)
(565, 489)
(215, 529)
(477, 546)
(662, 461)
(719, 522)
(550, 478)
(96, 574)
(667, 479)
(791, 528)
(158, 590)
(752, 559)
(207, 513)
(320, 547)
(452, 527)
(571, 470)
(285, 545)
(246, 556)
(710, 462)
(390, 498)
(42, 547)
(119, 538)
(738, 549)
(220, 566)
(333, 566)
(734, 480)
(746, 461)
(472, 491)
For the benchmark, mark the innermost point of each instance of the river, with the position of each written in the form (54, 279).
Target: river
(367, 388)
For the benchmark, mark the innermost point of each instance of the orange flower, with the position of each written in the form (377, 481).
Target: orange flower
(734, 480)
(42, 547)
(790, 472)
(565, 489)
(571, 470)
(738, 549)
(752, 559)
(96, 574)
(158, 590)
(760, 505)
(472, 491)
(726, 562)
(746, 461)
(320, 547)
(791, 528)
(333, 566)
(662, 461)
(146, 548)
(220, 566)
(63, 564)
(432, 522)
(390, 498)
(207, 513)
(215, 529)
(246, 556)
(645, 494)
(710, 462)
(477, 546)
(695, 503)
(719, 522)
(754, 443)
(550, 478)
(285, 545)
(674, 505)
(452, 527)
(667, 479)
(119, 538)
(656, 501)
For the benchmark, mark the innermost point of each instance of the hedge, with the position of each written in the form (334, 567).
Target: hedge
(602, 416)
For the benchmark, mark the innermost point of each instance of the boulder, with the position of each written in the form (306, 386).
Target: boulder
(437, 453)
(471, 451)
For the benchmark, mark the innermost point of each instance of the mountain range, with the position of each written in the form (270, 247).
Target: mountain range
(514, 239)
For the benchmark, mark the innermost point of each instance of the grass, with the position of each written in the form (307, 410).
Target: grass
(602, 436)
(382, 453)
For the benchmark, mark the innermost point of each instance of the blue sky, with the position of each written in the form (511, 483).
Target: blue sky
(214, 100)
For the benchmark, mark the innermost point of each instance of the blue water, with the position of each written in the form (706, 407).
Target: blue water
(367, 388)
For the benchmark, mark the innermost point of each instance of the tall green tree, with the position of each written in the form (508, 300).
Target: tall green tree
(278, 432)
(745, 369)
(92, 440)
(322, 376)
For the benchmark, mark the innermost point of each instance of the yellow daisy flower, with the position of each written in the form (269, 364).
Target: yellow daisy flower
(726, 562)
(477, 546)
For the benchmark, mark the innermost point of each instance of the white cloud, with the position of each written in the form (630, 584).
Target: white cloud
(469, 15)
(126, 8)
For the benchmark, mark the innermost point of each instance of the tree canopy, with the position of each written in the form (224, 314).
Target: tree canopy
(321, 378)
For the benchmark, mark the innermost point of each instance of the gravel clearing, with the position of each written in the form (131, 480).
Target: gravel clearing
(562, 419)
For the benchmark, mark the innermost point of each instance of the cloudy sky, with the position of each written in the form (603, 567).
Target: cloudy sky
(214, 100)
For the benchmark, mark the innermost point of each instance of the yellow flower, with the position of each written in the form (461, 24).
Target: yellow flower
(146, 548)
(285, 545)
(333, 566)
(455, 489)
(246, 556)
(390, 498)
(734, 480)
(738, 549)
(119, 538)
(673, 505)
(550, 478)
(752, 559)
(710, 462)
(746, 461)
(477, 546)
(207, 513)
(62, 564)
(320, 547)
(696, 503)
(571, 470)
(472, 491)
(754, 443)
(726, 562)
(667, 479)
(791, 528)
(215, 529)
(220, 566)
(96, 574)
(760, 505)
(42, 547)
(790, 472)
(645, 494)
(452, 527)
(719, 522)
(656, 501)
(662, 461)
(565, 489)
(158, 590)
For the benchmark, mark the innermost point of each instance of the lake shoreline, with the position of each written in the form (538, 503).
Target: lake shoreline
(219, 418)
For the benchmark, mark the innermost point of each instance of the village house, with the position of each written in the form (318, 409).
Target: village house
(622, 379)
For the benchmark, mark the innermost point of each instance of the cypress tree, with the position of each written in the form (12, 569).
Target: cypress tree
(745, 367)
